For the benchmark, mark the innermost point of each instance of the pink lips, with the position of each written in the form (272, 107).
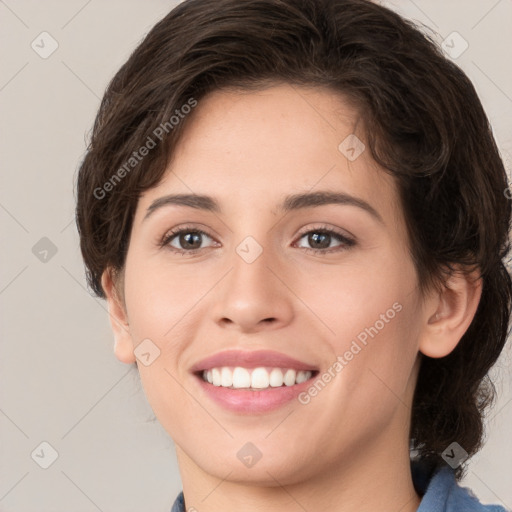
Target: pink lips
(251, 359)
(248, 401)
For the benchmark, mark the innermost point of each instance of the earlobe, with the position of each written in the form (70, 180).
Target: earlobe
(449, 314)
(123, 344)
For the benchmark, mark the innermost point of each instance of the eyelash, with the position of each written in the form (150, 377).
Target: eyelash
(346, 241)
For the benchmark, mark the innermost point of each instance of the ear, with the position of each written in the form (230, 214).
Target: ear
(123, 346)
(449, 313)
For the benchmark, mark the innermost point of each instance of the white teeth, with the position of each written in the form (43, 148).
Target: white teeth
(241, 378)
(226, 378)
(302, 376)
(260, 378)
(276, 378)
(289, 377)
(256, 378)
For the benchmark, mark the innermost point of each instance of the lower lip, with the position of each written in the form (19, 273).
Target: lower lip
(253, 402)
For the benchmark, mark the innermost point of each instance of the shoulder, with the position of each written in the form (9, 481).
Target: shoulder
(442, 493)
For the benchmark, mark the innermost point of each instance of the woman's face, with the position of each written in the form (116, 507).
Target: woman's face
(326, 280)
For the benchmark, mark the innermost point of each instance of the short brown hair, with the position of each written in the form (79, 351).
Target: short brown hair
(424, 124)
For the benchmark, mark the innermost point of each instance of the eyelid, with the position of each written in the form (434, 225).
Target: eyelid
(325, 227)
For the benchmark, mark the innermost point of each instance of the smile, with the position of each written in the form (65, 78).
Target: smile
(254, 378)
(252, 382)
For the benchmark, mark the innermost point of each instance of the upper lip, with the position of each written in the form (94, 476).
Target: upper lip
(251, 359)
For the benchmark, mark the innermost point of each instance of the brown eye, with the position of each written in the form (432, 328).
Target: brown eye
(321, 240)
(190, 240)
(186, 240)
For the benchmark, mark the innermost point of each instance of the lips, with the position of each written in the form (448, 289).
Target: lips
(250, 401)
(251, 359)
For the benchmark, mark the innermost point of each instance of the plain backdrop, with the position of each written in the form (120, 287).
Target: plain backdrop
(60, 382)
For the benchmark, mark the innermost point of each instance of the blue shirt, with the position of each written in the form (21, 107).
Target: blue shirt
(440, 493)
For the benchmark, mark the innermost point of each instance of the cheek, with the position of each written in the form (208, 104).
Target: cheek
(351, 297)
(373, 315)
(371, 382)
(159, 297)
(160, 306)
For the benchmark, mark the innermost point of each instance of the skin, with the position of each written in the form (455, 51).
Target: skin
(348, 448)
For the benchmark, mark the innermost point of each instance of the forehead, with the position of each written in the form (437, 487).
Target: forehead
(255, 147)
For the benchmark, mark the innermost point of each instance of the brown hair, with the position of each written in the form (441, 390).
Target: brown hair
(427, 128)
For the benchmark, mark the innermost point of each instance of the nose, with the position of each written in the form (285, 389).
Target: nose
(255, 295)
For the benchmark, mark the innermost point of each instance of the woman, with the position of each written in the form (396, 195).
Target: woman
(295, 211)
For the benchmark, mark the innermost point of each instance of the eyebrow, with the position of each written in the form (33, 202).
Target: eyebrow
(290, 203)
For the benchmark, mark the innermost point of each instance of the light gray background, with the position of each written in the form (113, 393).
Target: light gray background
(60, 381)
